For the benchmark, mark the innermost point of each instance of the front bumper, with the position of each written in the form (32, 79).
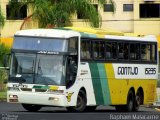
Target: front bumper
(37, 98)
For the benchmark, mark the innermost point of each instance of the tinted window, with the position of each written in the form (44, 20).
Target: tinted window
(154, 48)
(145, 52)
(98, 49)
(73, 45)
(123, 50)
(85, 50)
(134, 51)
(111, 50)
(44, 44)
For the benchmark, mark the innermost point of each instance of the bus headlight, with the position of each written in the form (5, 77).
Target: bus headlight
(13, 98)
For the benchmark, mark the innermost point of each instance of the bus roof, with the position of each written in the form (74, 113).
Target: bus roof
(47, 33)
(148, 38)
(67, 32)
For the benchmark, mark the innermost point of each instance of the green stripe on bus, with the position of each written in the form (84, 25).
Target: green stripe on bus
(104, 83)
(96, 83)
(88, 35)
(40, 87)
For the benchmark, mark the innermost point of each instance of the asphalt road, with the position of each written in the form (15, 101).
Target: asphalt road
(16, 112)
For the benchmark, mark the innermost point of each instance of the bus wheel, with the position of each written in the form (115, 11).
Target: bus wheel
(130, 101)
(31, 108)
(137, 101)
(81, 103)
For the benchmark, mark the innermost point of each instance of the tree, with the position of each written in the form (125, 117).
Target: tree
(1, 18)
(58, 12)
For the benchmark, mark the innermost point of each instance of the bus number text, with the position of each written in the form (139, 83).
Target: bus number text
(150, 71)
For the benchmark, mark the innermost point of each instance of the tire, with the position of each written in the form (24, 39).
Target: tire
(31, 108)
(138, 101)
(81, 103)
(130, 101)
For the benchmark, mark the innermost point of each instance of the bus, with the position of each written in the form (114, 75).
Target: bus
(82, 68)
(157, 103)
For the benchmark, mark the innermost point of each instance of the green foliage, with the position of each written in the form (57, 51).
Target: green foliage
(58, 12)
(3, 95)
(1, 19)
(3, 52)
(3, 76)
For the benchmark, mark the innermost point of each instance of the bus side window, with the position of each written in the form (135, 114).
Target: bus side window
(111, 50)
(98, 49)
(85, 50)
(126, 51)
(120, 51)
(134, 51)
(71, 71)
(146, 52)
(153, 52)
(108, 50)
(73, 45)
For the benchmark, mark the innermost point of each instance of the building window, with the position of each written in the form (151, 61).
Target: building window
(108, 8)
(82, 16)
(18, 15)
(149, 10)
(127, 7)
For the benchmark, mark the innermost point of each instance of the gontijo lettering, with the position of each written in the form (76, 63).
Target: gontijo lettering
(127, 71)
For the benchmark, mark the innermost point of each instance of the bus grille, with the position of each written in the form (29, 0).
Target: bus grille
(26, 89)
(40, 90)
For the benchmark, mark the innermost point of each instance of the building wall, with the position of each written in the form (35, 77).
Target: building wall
(145, 25)
(119, 20)
(11, 26)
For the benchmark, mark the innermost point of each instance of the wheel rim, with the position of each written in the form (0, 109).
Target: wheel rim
(138, 101)
(130, 102)
(79, 101)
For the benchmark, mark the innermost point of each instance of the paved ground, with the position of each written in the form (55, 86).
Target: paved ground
(16, 112)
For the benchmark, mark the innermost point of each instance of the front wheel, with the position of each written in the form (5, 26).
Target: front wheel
(81, 103)
(31, 108)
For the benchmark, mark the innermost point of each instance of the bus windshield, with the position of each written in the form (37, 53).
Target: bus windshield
(40, 44)
(37, 69)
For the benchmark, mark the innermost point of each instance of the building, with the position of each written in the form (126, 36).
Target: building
(131, 16)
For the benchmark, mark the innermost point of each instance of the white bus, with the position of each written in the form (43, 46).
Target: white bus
(81, 70)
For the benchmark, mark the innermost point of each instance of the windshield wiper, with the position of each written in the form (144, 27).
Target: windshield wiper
(17, 79)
